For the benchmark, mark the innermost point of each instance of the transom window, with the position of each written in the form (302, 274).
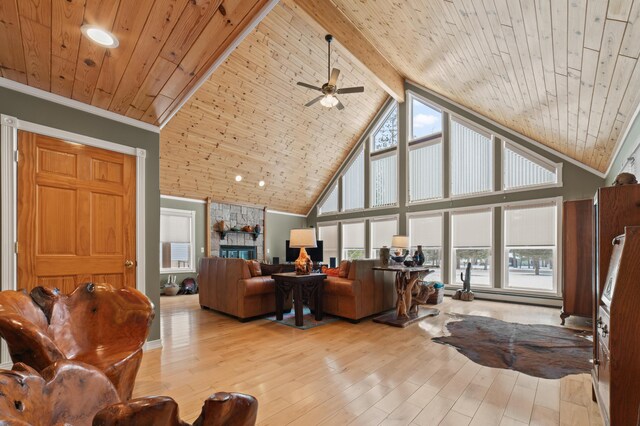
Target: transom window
(425, 120)
(383, 161)
(386, 136)
(177, 240)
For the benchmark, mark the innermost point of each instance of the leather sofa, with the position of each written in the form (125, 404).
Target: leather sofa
(363, 293)
(226, 285)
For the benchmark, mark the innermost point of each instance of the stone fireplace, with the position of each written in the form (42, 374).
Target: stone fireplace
(239, 243)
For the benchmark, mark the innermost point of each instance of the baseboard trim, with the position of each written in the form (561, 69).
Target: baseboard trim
(152, 344)
(514, 298)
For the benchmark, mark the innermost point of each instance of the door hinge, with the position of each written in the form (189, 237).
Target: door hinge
(17, 156)
(16, 247)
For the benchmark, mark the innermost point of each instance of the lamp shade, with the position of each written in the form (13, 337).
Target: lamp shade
(302, 238)
(400, 241)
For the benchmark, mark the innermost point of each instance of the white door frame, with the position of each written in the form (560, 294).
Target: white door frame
(9, 127)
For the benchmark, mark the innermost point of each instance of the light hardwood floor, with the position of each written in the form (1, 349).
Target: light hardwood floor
(365, 374)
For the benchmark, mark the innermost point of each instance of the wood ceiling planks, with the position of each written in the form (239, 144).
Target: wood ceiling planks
(249, 119)
(166, 46)
(563, 73)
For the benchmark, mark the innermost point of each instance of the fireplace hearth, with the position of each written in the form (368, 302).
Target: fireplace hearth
(239, 252)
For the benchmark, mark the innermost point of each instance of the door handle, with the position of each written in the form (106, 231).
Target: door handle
(128, 263)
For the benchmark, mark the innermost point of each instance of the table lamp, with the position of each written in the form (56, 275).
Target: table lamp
(303, 238)
(400, 242)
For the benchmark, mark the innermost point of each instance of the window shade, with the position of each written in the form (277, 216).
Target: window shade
(471, 160)
(384, 180)
(328, 234)
(353, 185)
(530, 226)
(425, 172)
(175, 228)
(471, 229)
(353, 235)
(425, 231)
(330, 204)
(520, 171)
(382, 231)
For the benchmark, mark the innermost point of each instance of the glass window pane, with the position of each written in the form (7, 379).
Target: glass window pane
(353, 245)
(425, 172)
(330, 204)
(425, 120)
(384, 180)
(471, 242)
(353, 185)
(471, 161)
(387, 134)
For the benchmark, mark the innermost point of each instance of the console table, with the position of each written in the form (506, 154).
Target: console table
(406, 279)
(310, 285)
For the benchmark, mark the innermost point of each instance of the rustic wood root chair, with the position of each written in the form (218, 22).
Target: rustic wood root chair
(96, 324)
(77, 394)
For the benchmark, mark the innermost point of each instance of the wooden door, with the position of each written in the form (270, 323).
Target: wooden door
(76, 214)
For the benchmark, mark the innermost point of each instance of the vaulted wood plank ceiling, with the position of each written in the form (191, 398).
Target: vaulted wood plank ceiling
(166, 46)
(564, 73)
(249, 119)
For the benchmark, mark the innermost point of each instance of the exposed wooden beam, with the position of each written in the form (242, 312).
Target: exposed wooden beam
(329, 17)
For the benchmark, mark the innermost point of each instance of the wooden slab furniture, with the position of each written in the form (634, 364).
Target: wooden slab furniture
(303, 286)
(96, 324)
(406, 312)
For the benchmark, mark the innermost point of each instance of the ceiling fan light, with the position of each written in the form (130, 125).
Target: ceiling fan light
(329, 101)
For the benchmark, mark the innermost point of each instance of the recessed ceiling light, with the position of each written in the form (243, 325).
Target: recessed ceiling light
(238, 178)
(261, 183)
(101, 36)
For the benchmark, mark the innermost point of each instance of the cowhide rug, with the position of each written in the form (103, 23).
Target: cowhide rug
(542, 351)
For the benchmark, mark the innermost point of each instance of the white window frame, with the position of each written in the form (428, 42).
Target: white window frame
(339, 242)
(336, 187)
(191, 214)
(484, 132)
(381, 219)
(411, 97)
(557, 270)
(342, 194)
(453, 280)
(531, 156)
(341, 230)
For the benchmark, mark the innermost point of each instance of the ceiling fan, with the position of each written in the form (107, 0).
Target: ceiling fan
(330, 89)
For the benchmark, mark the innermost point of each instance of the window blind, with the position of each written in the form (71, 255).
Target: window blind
(382, 231)
(328, 234)
(353, 235)
(471, 160)
(425, 172)
(425, 231)
(353, 184)
(471, 229)
(384, 180)
(330, 204)
(520, 171)
(175, 228)
(533, 225)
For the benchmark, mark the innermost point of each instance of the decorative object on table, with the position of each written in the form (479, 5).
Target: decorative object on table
(46, 326)
(418, 256)
(257, 229)
(544, 351)
(409, 262)
(170, 288)
(385, 254)
(405, 282)
(400, 243)
(625, 179)
(438, 294)
(420, 296)
(247, 228)
(302, 239)
(465, 294)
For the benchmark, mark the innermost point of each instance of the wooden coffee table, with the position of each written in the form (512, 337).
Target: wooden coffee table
(302, 285)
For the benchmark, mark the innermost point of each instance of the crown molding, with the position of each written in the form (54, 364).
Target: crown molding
(285, 213)
(72, 103)
(185, 199)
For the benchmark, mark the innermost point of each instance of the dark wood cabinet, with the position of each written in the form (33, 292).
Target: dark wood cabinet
(616, 369)
(577, 258)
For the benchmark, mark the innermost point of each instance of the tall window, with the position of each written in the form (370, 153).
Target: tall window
(353, 245)
(384, 161)
(530, 234)
(425, 170)
(177, 240)
(471, 233)
(382, 231)
(328, 234)
(523, 169)
(330, 204)
(471, 160)
(426, 231)
(353, 184)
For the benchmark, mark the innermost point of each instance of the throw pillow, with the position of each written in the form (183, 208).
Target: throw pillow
(331, 272)
(268, 269)
(254, 268)
(344, 269)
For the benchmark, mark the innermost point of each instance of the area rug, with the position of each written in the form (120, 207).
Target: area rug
(543, 351)
(309, 319)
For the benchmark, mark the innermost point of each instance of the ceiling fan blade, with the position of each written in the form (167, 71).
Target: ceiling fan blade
(334, 76)
(313, 101)
(339, 105)
(308, 86)
(351, 90)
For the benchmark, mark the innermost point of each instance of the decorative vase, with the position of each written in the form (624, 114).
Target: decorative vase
(256, 229)
(385, 253)
(171, 288)
(418, 257)
(409, 262)
(303, 263)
